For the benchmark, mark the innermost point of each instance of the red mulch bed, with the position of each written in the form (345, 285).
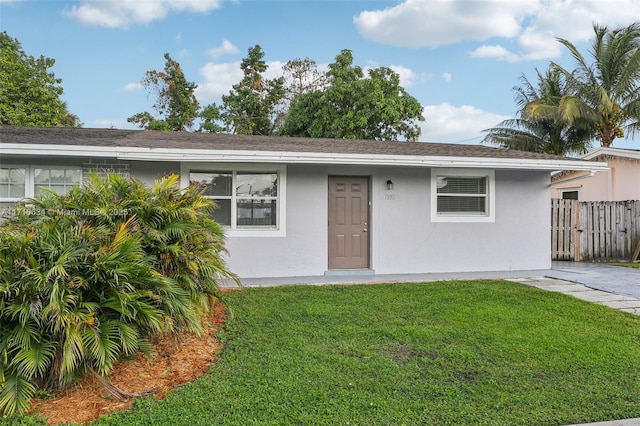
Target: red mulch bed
(171, 364)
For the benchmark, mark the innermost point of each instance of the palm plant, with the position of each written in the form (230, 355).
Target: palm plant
(76, 298)
(549, 134)
(96, 274)
(606, 92)
(174, 223)
(185, 242)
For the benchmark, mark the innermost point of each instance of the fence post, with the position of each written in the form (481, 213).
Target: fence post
(576, 230)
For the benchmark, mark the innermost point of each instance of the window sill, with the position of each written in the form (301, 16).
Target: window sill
(462, 219)
(246, 232)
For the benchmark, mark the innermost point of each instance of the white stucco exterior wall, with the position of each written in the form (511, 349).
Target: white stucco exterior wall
(403, 237)
(149, 171)
(303, 251)
(407, 241)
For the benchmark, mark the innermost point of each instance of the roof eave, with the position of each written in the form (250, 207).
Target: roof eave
(238, 156)
(612, 152)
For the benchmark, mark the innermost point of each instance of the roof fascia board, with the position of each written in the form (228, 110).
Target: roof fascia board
(237, 156)
(614, 152)
(62, 150)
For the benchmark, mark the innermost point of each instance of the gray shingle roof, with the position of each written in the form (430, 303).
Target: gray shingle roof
(209, 141)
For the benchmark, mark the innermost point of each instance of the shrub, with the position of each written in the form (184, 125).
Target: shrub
(88, 277)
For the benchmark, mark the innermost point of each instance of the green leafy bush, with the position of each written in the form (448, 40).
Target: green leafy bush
(88, 277)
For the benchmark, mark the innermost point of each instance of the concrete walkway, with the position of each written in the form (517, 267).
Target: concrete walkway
(613, 279)
(613, 286)
(625, 422)
(616, 301)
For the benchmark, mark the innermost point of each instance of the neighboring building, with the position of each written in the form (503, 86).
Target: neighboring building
(620, 183)
(306, 207)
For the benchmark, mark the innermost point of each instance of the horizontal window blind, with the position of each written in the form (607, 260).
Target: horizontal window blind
(462, 195)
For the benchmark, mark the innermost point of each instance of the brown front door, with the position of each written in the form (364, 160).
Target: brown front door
(348, 222)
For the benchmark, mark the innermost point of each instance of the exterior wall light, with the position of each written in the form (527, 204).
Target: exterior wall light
(389, 185)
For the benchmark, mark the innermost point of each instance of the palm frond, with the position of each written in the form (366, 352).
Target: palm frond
(35, 361)
(15, 394)
(102, 342)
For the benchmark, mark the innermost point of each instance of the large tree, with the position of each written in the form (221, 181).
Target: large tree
(550, 134)
(302, 76)
(176, 101)
(605, 91)
(252, 105)
(353, 106)
(29, 91)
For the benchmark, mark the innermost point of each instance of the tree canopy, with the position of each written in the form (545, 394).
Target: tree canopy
(29, 92)
(550, 134)
(251, 107)
(353, 106)
(302, 76)
(604, 91)
(341, 103)
(176, 100)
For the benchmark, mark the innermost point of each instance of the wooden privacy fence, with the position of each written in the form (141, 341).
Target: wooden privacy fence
(594, 230)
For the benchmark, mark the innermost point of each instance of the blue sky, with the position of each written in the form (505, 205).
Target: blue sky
(459, 58)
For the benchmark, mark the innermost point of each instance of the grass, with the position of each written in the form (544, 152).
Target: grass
(445, 353)
(628, 264)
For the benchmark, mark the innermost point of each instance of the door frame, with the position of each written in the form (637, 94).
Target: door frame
(368, 239)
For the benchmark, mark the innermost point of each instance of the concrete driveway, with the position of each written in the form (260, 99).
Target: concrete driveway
(599, 276)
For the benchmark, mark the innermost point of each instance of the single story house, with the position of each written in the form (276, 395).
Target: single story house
(309, 207)
(620, 183)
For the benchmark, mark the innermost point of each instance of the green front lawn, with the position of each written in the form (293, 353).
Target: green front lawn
(444, 353)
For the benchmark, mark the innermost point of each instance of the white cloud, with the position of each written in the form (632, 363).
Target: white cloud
(416, 23)
(573, 19)
(219, 79)
(532, 24)
(123, 13)
(446, 76)
(407, 75)
(225, 48)
(130, 87)
(452, 124)
(497, 52)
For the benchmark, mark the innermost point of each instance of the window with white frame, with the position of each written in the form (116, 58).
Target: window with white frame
(462, 195)
(20, 182)
(13, 183)
(58, 180)
(245, 199)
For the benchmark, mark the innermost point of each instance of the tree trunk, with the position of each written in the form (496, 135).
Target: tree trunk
(607, 136)
(116, 393)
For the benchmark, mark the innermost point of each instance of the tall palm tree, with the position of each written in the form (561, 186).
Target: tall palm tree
(605, 92)
(549, 134)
